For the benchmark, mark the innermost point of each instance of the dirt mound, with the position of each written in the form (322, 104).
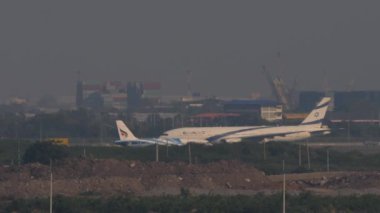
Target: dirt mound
(110, 177)
(352, 180)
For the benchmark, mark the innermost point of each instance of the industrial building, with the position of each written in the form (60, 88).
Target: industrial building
(346, 105)
(346, 101)
(264, 109)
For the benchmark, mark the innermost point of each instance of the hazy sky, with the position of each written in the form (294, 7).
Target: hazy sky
(224, 44)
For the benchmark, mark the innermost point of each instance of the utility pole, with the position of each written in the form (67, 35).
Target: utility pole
(189, 149)
(308, 153)
(40, 130)
(299, 156)
(18, 146)
(156, 152)
(349, 130)
(51, 187)
(283, 187)
(328, 160)
(101, 132)
(164, 123)
(181, 120)
(84, 151)
(18, 152)
(264, 151)
(154, 120)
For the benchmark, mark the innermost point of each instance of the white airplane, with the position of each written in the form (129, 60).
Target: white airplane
(127, 138)
(311, 126)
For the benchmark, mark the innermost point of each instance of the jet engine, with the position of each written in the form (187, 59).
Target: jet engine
(232, 140)
(292, 137)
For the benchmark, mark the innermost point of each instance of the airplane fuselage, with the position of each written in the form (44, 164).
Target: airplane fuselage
(235, 134)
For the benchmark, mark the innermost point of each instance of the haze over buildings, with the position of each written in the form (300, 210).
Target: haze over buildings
(224, 44)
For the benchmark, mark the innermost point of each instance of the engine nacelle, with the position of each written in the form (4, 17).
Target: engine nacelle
(232, 140)
(326, 132)
(292, 137)
(187, 141)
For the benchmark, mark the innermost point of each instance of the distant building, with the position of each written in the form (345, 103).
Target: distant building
(151, 90)
(135, 91)
(116, 94)
(115, 100)
(17, 101)
(350, 100)
(264, 109)
(94, 101)
(210, 119)
(308, 99)
(346, 105)
(271, 113)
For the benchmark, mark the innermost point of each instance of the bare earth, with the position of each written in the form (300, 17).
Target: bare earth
(89, 177)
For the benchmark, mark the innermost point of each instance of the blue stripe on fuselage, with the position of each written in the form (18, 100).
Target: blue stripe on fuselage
(217, 137)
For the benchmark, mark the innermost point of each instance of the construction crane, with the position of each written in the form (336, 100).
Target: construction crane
(279, 90)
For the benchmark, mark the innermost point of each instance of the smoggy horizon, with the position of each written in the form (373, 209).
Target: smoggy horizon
(323, 45)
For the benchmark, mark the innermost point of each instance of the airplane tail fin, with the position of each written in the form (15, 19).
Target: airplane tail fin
(318, 114)
(124, 132)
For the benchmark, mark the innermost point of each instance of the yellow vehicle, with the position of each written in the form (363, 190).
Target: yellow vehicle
(60, 141)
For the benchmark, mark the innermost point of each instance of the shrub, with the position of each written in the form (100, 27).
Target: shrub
(43, 152)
